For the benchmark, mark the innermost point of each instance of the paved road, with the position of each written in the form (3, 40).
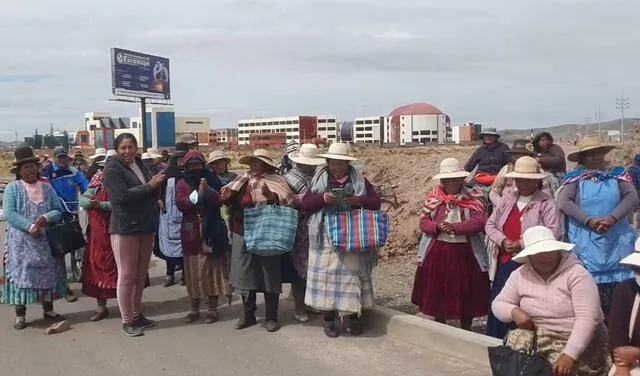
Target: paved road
(176, 349)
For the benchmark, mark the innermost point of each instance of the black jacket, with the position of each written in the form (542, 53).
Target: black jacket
(489, 159)
(134, 206)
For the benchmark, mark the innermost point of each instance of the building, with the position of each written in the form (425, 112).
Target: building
(466, 134)
(197, 126)
(163, 127)
(301, 129)
(345, 131)
(417, 123)
(101, 127)
(369, 130)
(226, 138)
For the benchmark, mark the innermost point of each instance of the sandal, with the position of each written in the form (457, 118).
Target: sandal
(99, 315)
(53, 316)
(191, 317)
(20, 323)
(211, 318)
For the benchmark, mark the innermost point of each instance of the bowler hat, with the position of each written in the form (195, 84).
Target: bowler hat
(24, 155)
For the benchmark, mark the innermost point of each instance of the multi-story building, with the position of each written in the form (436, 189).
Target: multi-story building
(197, 126)
(301, 129)
(368, 130)
(101, 127)
(226, 137)
(418, 123)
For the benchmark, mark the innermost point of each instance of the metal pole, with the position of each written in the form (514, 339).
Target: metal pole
(143, 122)
(622, 104)
(598, 116)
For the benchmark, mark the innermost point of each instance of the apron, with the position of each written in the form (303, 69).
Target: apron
(170, 223)
(600, 254)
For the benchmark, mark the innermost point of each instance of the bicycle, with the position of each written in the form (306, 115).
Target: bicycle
(77, 255)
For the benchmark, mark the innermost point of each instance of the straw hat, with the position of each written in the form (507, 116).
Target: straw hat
(217, 155)
(526, 168)
(521, 146)
(151, 153)
(589, 144)
(450, 168)
(260, 154)
(489, 132)
(634, 258)
(339, 151)
(540, 239)
(188, 139)
(100, 152)
(292, 147)
(308, 154)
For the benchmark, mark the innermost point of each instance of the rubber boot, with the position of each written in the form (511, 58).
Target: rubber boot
(249, 316)
(271, 303)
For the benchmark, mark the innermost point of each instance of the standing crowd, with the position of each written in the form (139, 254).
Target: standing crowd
(536, 248)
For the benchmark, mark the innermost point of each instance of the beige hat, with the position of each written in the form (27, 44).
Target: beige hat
(217, 155)
(450, 168)
(339, 151)
(260, 154)
(151, 153)
(308, 154)
(634, 258)
(188, 138)
(526, 168)
(540, 239)
(589, 144)
(100, 152)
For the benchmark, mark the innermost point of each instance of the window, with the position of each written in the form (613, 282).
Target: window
(194, 122)
(424, 133)
(282, 122)
(331, 120)
(331, 128)
(359, 128)
(289, 122)
(434, 132)
(295, 129)
(296, 122)
(369, 135)
(376, 121)
(359, 122)
(415, 133)
(322, 129)
(331, 136)
(322, 120)
(368, 128)
(368, 122)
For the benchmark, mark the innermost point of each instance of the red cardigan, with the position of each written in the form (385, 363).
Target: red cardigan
(468, 226)
(190, 229)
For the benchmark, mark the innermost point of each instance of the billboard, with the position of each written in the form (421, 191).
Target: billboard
(139, 75)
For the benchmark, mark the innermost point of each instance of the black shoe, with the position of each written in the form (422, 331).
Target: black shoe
(331, 330)
(99, 315)
(272, 326)
(169, 281)
(132, 331)
(143, 322)
(355, 327)
(52, 316)
(247, 320)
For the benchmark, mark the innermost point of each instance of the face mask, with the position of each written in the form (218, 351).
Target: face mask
(193, 197)
(638, 279)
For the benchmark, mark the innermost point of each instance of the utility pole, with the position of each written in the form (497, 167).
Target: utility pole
(598, 118)
(622, 104)
(587, 123)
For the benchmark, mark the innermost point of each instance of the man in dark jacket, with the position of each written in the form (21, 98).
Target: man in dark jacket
(491, 156)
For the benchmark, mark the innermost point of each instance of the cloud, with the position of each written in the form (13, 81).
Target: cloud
(513, 64)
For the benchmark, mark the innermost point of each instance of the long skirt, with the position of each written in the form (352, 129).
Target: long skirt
(594, 361)
(495, 327)
(450, 284)
(339, 281)
(250, 272)
(206, 276)
(100, 272)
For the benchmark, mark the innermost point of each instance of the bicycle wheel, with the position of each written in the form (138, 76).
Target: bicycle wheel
(77, 258)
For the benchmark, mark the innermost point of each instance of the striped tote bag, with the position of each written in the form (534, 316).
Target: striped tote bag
(270, 230)
(357, 231)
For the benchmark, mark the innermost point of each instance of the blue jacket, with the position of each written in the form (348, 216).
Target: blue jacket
(66, 182)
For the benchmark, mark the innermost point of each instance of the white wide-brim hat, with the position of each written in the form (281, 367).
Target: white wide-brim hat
(217, 155)
(526, 168)
(339, 151)
(100, 152)
(308, 154)
(634, 258)
(540, 239)
(450, 168)
(260, 154)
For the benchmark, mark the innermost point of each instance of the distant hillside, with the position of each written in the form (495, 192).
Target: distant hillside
(570, 131)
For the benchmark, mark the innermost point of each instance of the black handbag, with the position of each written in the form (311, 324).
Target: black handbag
(508, 362)
(65, 237)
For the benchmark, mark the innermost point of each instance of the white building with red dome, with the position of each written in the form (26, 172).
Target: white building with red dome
(417, 123)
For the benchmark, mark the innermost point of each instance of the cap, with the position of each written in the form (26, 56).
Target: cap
(60, 152)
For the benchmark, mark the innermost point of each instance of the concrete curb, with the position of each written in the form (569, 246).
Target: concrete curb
(431, 335)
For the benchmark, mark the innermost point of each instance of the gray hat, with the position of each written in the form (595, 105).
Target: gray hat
(59, 152)
(188, 139)
(489, 132)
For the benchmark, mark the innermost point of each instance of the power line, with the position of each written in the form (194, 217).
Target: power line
(622, 104)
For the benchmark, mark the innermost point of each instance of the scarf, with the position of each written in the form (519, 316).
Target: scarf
(581, 173)
(298, 180)
(96, 179)
(193, 179)
(273, 181)
(227, 177)
(320, 185)
(468, 198)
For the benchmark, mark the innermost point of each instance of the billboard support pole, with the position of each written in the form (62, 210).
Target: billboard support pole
(143, 121)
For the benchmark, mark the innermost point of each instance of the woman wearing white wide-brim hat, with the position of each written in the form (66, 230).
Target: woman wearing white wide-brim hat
(338, 283)
(553, 294)
(218, 162)
(624, 326)
(525, 207)
(451, 280)
(294, 267)
(597, 198)
(152, 160)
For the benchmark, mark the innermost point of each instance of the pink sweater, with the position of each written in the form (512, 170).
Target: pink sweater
(567, 303)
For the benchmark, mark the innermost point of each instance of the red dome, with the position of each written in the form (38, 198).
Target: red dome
(416, 109)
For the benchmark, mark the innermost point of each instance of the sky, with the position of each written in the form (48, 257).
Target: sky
(507, 64)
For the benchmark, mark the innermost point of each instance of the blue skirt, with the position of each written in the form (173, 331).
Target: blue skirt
(495, 327)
